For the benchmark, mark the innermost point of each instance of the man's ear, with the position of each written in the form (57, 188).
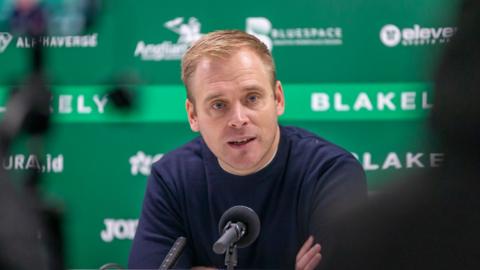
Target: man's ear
(192, 115)
(279, 98)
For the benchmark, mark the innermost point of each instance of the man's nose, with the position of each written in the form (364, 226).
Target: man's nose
(239, 117)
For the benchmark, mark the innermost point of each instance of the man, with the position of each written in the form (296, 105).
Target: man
(243, 157)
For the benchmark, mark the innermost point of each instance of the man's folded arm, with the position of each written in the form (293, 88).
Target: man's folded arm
(342, 187)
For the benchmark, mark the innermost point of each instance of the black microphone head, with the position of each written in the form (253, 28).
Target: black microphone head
(245, 215)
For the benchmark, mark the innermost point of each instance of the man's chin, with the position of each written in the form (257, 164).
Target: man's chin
(239, 167)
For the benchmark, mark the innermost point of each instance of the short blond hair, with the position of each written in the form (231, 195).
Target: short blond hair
(222, 44)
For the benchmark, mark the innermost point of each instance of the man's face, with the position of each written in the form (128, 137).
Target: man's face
(235, 109)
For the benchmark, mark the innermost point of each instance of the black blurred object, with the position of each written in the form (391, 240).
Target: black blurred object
(25, 219)
(238, 227)
(456, 114)
(122, 94)
(431, 221)
(121, 97)
(30, 230)
(20, 227)
(28, 109)
(174, 253)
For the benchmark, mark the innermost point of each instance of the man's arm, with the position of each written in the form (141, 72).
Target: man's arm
(342, 186)
(159, 226)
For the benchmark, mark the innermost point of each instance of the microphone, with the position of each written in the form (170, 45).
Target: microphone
(174, 253)
(238, 226)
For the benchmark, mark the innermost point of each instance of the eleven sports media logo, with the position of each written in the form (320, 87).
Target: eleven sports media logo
(391, 35)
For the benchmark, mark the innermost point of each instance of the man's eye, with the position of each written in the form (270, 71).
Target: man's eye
(218, 105)
(252, 98)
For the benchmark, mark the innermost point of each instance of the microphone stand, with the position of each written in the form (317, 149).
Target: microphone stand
(231, 258)
(245, 224)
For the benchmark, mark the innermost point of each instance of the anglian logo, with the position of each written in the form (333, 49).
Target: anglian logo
(261, 27)
(188, 32)
(391, 35)
(5, 39)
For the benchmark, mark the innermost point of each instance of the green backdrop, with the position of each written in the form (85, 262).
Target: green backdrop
(355, 72)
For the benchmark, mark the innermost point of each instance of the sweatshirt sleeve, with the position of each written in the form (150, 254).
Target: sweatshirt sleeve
(159, 226)
(341, 186)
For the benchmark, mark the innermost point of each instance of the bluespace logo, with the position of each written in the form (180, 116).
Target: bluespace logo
(262, 28)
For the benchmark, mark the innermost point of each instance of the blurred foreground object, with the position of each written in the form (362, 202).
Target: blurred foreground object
(430, 221)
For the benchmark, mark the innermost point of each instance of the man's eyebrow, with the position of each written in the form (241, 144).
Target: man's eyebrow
(247, 88)
(252, 88)
(212, 96)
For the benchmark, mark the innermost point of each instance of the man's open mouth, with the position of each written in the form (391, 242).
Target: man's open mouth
(241, 142)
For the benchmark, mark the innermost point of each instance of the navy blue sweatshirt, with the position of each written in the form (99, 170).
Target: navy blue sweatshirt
(294, 196)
